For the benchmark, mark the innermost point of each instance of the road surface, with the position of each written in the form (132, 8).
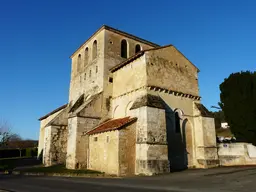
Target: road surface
(211, 180)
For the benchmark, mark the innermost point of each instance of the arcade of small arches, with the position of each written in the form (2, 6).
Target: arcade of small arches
(123, 52)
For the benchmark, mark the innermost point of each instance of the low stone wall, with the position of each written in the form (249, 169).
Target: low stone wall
(233, 154)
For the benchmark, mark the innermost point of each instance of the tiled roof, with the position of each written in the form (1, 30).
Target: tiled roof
(112, 125)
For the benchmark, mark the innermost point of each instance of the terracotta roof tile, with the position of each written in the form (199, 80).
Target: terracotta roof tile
(111, 125)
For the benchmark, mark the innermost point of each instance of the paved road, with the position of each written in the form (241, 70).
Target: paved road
(212, 180)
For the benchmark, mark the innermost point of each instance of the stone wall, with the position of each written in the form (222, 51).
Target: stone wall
(108, 55)
(130, 77)
(173, 102)
(59, 144)
(181, 145)
(43, 123)
(112, 57)
(113, 46)
(231, 154)
(87, 75)
(103, 152)
(151, 145)
(55, 145)
(205, 141)
(121, 105)
(46, 147)
(72, 141)
(127, 150)
(168, 68)
(78, 142)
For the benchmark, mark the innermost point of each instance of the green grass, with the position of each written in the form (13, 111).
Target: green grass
(10, 158)
(9, 163)
(58, 169)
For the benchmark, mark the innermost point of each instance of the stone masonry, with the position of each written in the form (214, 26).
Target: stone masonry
(134, 108)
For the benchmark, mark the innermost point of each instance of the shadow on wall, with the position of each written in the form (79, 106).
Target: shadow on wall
(177, 154)
(40, 156)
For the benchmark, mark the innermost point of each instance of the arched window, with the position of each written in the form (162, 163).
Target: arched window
(90, 74)
(78, 62)
(85, 76)
(86, 54)
(124, 48)
(177, 122)
(96, 69)
(137, 48)
(94, 50)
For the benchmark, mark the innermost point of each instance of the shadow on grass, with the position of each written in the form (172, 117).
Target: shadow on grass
(12, 163)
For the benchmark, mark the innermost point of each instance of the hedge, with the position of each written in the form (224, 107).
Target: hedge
(11, 163)
(10, 153)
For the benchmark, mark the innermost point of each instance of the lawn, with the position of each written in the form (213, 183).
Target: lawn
(9, 163)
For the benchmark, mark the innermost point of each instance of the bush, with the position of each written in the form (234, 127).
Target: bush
(238, 101)
(10, 153)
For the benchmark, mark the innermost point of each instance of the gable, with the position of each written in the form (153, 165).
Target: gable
(171, 53)
(60, 119)
(89, 106)
(169, 69)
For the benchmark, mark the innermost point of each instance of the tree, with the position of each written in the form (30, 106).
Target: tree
(238, 101)
(15, 142)
(5, 133)
(218, 118)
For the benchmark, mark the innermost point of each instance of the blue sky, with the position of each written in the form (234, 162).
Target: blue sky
(37, 38)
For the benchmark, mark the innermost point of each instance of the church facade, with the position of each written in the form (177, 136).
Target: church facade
(134, 108)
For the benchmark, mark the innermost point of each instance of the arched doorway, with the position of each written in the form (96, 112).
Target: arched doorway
(187, 134)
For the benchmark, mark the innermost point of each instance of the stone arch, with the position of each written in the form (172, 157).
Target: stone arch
(137, 48)
(178, 116)
(127, 109)
(115, 111)
(177, 122)
(94, 49)
(179, 112)
(79, 62)
(124, 49)
(86, 56)
(187, 135)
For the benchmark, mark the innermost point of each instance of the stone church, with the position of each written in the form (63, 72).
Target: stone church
(134, 108)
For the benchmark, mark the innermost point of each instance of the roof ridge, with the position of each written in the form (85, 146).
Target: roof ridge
(53, 111)
(120, 32)
(131, 35)
(139, 54)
